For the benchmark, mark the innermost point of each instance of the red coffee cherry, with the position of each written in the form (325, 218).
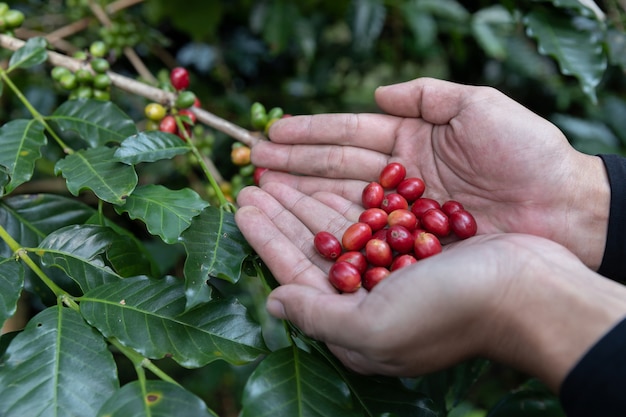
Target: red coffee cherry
(426, 244)
(400, 239)
(258, 173)
(394, 201)
(168, 124)
(356, 236)
(463, 224)
(327, 245)
(451, 206)
(373, 276)
(179, 77)
(372, 195)
(392, 175)
(403, 217)
(436, 221)
(378, 252)
(375, 217)
(422, 205)
(411, 188)
(356, 258)
(344, 276)
(401, 261)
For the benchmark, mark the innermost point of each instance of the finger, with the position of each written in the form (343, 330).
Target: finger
(312, 213)
(287, 262)
(436, 101)
(328, 161)
(349, 189)
(347, 208)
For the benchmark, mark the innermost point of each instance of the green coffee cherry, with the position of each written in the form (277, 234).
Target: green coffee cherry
(102, 95)
(185, 99)
(81, 55)
(3, 8)
(98, 49)
(258, 116)
(275, 113)
(68, 81)
(102, 81)
(58, 72)
(100, 65)
(84, 76)
(13, 18)
(84, 91)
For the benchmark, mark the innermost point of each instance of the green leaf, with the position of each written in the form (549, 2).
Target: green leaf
(97, 122)
(32, 53)
(149, 316)
(491, 27)
(166, 213)
(29, 218)
(422, 25)
(11, 284)
(584, 8)
(292, 382)
(530, 400)
(21, 143)
(77, 249)
(279, 24)
(215, 248)
(450, 10)
(57, 366)
(149, 147)
(589, 136)
(578, 49)
(97, 170)
(367, 18)
(156, 399)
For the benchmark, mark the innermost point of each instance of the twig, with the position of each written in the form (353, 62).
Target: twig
(147, 91)
(116, 6)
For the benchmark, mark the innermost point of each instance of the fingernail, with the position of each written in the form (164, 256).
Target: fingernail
(276, 308)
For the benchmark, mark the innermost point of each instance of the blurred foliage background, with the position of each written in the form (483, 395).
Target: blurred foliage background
(563, 59)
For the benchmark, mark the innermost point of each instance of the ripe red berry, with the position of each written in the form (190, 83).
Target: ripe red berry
(463, 224)
(258, 172)
(179, 77)
(401, 261)
(400, 239)
(372, 195)
(373, 276)
(356, 236)
(344, 276)
(436, 221)
(375, 217)
(189, 117)
(392, 175)
(423, 204)
(356, 258)
(411, 188)
(168, 124)
(403, 217)
(327, 245)
(451, 206)
(394, 201)
(378, 252)
(425, 245)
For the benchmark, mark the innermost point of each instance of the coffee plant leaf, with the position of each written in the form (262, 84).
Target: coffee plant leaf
(166, 213)
(32, 53)
(293, 382)
(366, 19)
(72, 376)
(4, 178)
(97, 170)
(151, 319)
(491, 27)
(21, 147)
(29, 218)
(584, 8)
(11, 285)
(96, 122)
(78, 250)
(532, 399)
(215, 248)
(154, 399)
(150, 146)
(575, 43)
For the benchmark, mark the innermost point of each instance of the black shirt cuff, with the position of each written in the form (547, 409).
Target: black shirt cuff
(614, 260)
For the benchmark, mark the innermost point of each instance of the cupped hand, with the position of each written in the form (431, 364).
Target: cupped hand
(483, 296)
(515, 171)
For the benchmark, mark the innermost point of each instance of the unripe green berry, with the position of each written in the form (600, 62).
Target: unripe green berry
(81, 55)
(58, 72)
(68, 81)
(84, 76)
(102, 95)
(13, 18)
(185, 99)
(100, 65)
(84, 91)
(101, 81)
(98, 49)
(275, 113)
(4, 7)
(258, 116)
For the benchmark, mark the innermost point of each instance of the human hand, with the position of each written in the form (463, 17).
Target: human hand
(481, 297)
(512, 169)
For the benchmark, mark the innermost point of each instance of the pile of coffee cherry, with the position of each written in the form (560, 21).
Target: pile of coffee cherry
(397, 228)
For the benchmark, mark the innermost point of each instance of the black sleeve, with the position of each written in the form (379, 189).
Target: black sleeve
(614, 261)
(596, 385)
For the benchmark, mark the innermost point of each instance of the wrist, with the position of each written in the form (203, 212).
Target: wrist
(551, 316)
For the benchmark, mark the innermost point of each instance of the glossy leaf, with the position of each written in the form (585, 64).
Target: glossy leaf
(150, 146)
(578, 49)
(292, 382)
(21, 143)
(97, 122)
(29, 218)
(57, 366)
(166, 213)
(367, 18)
(149, 316)
(11, 284)
(156, 399)
(77, 249)
(32, 53)
(491, 26)
(215, 248)
(4, 178)
(530, 400)
(96, 169)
